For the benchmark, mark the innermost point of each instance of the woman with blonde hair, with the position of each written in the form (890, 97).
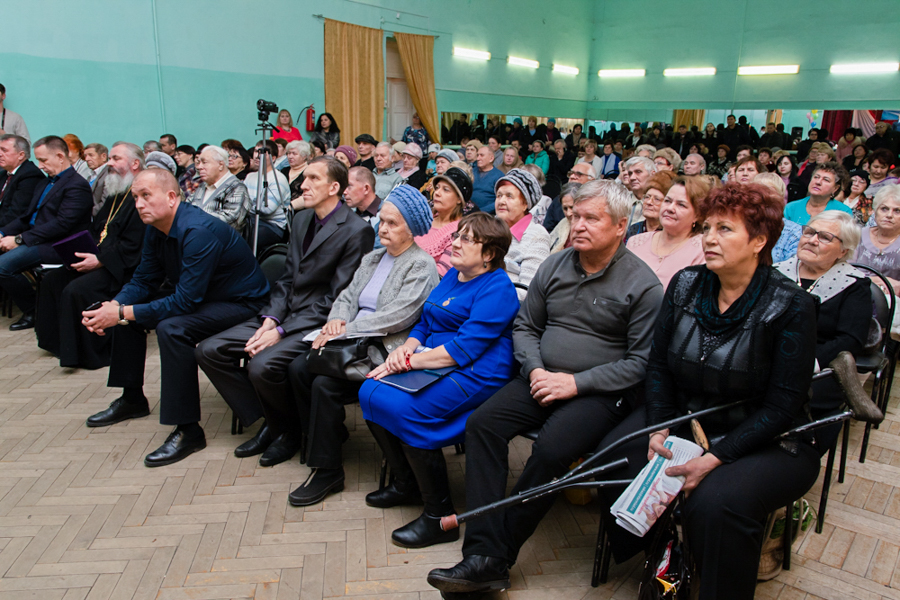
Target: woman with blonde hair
(286, 130)
(511, 160)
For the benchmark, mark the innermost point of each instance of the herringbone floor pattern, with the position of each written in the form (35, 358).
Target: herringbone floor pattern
(82, 518)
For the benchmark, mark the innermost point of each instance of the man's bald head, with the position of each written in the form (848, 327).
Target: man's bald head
(162, 179)
(156, 198)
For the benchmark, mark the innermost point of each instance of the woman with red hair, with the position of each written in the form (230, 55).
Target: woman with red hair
(76, 155)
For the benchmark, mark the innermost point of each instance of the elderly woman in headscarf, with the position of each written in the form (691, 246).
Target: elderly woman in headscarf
(516, 194)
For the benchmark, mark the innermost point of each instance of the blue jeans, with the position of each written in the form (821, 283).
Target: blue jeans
(12, 264)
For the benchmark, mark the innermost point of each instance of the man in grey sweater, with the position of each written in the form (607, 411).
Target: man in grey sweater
(583, 338)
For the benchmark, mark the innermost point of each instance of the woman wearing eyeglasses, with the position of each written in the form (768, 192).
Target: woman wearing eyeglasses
(466, 324)
(821, 268)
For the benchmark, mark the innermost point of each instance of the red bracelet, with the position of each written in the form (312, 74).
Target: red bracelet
(408, 365)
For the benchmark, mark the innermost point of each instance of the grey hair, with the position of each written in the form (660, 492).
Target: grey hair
(850, 233)
(617, 197)
(153, 146)
(645, 147)
(302, 147)
(134, 152)
(671, 157)
(21, 143)
(592, 172)
(642, 160)
(537, 172)
(219, 153)
(384, 145)
(569, 189)
(888, 192)
(701, 159)
(98, 148)
(462, 166)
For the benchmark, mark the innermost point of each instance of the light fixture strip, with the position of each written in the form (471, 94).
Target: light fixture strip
(769, 70)
(860, 68)
(689, 72)
(469, 53)
(523, 62)
(565, 69)
(622, 72)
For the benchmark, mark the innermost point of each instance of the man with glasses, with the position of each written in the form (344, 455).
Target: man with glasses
(221, 194)
(580, 173)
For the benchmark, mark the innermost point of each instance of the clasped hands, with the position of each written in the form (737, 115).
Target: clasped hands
(267, 335)
(547, 387)
(99, 320)
(693, 470)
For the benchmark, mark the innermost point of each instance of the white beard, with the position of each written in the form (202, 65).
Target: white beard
(115, 184)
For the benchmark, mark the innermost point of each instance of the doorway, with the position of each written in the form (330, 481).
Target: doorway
(399, 104)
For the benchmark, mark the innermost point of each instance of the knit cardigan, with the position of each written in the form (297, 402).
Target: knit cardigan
(526, 255)
(437, 244)
(400, 301)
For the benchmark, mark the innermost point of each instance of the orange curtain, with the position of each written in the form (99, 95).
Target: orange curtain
(417, 56)
(354, 79)
(689, 118)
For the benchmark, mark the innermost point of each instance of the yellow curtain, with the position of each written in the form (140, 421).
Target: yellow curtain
(689, 118)
(354, 79)
(417, 56)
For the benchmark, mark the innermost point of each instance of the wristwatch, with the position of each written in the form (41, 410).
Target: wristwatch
(122, 319)
(18, 240)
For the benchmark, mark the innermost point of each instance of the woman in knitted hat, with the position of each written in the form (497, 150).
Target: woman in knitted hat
(517, 192)
(411, 172)
(466, 327)
(450, 193)
(346, 155)
(386, 295)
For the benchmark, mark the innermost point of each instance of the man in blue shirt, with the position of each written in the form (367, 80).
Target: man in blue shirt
(217, 284)
(484, 176)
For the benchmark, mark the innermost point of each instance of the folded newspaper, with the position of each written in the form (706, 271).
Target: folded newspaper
(647, 497)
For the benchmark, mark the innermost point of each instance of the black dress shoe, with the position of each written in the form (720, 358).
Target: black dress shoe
(26, 322)
(282, 448)
(257, 444)
(394, 495)
(119, 411)
(474, 574)
(178, 445)
(423, 532)
(319, 484)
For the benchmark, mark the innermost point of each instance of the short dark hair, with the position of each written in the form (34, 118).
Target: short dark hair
(841, 176)
(53, 143)
(2, 89)
(186, 149)
(98, 148)
(281, 142)
(270, 146)
(493, 235)
(231, 144)
(496, 138)
(759, 207)
(764, 149)
(816, 129)
(320, 145)
(882, 155)
(170, 139)
(744, 147)
(335, 170)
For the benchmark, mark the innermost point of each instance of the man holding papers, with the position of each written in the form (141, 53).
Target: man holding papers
(117, 234)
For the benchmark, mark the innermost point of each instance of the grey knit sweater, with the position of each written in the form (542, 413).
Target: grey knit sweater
(400, 301)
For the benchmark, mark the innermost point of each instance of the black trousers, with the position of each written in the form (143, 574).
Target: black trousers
(64, 294)
(320, 404)
(725, 515)
(261, 387)
(178, 338)
(568, 430)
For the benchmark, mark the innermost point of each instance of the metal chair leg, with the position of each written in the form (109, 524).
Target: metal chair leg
(602, 555)
(826, 486)
(845, 444)
(788, 537)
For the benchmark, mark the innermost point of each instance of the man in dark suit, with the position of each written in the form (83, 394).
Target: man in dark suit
(118, 231)
(60, 206)
(217, 284)
(327, 244)
(18, 178)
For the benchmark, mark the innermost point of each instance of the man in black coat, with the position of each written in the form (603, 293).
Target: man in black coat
(18, 178)
(733, 136)
(118, 231)
(61, 205)
(681, 141)
(328, 241)
(804, 146)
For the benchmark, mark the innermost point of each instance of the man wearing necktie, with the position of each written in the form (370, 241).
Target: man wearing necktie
(18, 179)
(61, 206)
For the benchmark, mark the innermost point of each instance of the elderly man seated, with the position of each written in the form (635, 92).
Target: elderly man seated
(583, 338)
(221, 194)
(694, 164)
(386, 177)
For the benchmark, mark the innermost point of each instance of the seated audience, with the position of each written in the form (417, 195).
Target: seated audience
(298, 155)
(345, 154)
(657, 187)
(238, 161)
(365, 151)
(846, 145)
(18, 178)
(327, 244)
(856, 199)
(581, 361)
(273, 209)
(765, 159)
(590, 157)
(60, 206)
(786, 168)
(484, 179)
(880, 244)
(856, 158)
(746, 168)
(734, 329)
(516, 193)
(151, 146)
(880, 163)
(220, 194)
(161, 160)
(826, 181)
(327, 131)
(452, 191)
(96, 156)
(511, 160)
(386, 295)
(442, 162)
(411, 174)
(281, 161)
(118, 231)
(560, 237)
(189, 180)
(609, 162)
(719, 166)
(677, 244)
(538, 156)
(667, 159)
(285, 129)
(474, 335)
(786, 246)
(539, 210)
(76, 155)
(694, 164)
(360, 196)
(580, 173)
(386, 177)
(645, 151)
(217, 283)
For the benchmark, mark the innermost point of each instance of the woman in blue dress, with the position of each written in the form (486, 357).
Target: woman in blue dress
(466, 323)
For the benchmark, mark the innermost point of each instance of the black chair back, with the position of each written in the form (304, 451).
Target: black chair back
(272, 262)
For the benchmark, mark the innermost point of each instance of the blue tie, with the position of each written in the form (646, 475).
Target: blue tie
(53, 180)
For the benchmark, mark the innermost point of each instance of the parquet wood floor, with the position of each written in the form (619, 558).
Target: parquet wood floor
(82, 518)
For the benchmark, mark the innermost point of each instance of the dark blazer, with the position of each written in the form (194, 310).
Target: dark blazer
(303, 295)
(19, 191)
(66, 210)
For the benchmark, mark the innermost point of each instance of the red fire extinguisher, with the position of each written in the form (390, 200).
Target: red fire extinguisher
(310, 118)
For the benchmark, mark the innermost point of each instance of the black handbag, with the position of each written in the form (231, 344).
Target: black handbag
(345, 359)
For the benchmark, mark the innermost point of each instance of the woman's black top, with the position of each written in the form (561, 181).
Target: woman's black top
(296, 192)
(761, 350)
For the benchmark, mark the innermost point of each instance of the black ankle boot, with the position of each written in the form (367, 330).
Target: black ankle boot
(430, 470)
(403, 489)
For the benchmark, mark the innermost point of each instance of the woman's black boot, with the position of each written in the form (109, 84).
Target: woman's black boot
(430, 470)
(402, 489)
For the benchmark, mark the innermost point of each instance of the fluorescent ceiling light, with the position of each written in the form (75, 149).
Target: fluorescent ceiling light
(887, 67)
(621, 72)
(565, 69)
(467, 53)
(523, 62)
(689, 72)
(769, 70)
